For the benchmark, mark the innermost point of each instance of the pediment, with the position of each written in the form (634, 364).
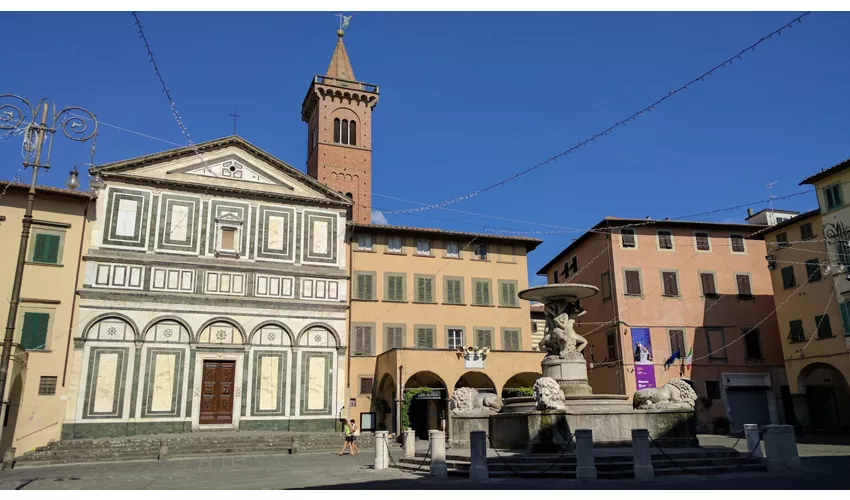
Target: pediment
(232, 169)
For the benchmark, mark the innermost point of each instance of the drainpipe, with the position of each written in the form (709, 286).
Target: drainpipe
(76, 284)
(613, 279)
(399, 397)
(348, 324)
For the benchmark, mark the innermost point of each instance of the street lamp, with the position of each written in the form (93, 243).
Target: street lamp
(39, 126)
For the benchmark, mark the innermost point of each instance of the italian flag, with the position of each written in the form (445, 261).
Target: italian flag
(690, 358)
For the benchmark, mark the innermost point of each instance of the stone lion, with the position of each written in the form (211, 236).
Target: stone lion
(468, 401)
(548, 394)
(675, 394)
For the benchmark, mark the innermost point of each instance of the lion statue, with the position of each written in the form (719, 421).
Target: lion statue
(548, 394)
(675, 394)
(468, 401)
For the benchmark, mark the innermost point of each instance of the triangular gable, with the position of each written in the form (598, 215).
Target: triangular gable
(232, 168)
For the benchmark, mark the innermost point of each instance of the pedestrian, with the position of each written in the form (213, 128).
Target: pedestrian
(355, 433)
(348, 441)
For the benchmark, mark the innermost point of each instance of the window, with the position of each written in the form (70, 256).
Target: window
(752, 343)
(715, 341)
(670, 280)
(823, 326)
(508, 294)
(712, 389)
(394, 244)
(336, 130)
(813, 270)
(364, 242)
(570, 266)
(843, 247)
(737, 243)
(395, 288)
(627, 237)
(483, 337)
(424, 289)
(352, 133)
(366, 386)
(510, 340)
(703, 243)
(46, 246)
(365, 286)
(533, 326)
(845, 317)
(832, 196)
(228, 239)
(481, 252)
(345, 132)
(452, 250)
(425, 337)
(796, 334)
(632, 277)
(482, 292)
(455, 338)
(363, 341)
(47, 386)
(806, 232)
(606, 285)
(665, 240)
(315, 134)
(34, 331)
(782, 240)
(453, 291)
(707, 283)
(393, 336)
(742, 281)
(611, 342)
(677, 342)
(423, 247)
(555, 276)
(788, 280)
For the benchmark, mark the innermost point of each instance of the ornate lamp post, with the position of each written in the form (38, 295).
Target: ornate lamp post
(40, 123)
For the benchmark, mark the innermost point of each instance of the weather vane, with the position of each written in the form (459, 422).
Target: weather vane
(343, 21)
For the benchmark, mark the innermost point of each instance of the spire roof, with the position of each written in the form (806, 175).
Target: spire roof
(340, 66)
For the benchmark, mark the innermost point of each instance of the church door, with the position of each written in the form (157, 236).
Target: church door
(217, 393)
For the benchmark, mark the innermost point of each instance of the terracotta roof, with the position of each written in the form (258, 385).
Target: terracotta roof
(793, 220)
(614, 222)
(530, 243)
(47, 189)
(826, 172)
(340, 66)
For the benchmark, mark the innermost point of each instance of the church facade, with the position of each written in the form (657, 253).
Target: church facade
(213, 297)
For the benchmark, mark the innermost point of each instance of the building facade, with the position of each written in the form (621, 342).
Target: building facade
(38, 377)
(213, 296)
(419, 299)
(814, 325)
(671, 287)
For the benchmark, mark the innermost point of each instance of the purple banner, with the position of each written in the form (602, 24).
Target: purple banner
(644, 365)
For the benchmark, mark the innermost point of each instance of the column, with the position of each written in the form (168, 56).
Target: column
(586, 468)
(409, 444)
(643, 458)
(437, 439)
(478, 470)
(381, 455)
(751, 431)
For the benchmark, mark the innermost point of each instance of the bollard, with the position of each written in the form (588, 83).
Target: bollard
(293, 448)
(478, 470)
(586, 468)
(780, 445)
(751, 431)
(438, 453)
(163, 452)
(409, 444)
(8, 458)
(643, 458)
(381, 455)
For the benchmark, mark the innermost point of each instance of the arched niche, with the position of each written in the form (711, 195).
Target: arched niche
(221, 331)
(318, 336)
(111, 328)
(168, 330)
(271, 334)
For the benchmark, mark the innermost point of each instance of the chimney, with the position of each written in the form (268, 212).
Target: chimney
(749, 212)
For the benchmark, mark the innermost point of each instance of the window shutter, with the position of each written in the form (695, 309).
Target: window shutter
(361, 286)
(369, 286)
(390, 338)
(633, 283)
(391, 291)
(399, 337)
(421, 337)
(358, 340)
(367, 340)
(845, 317)
(505, 295)
(671, 287)
(824, 328)
(40, 250)
(429, 289)
(485, 286)
(430, 337)
(512, 300)
(34, 331)
(458, 293)
(450, 292)
(479, 292)
(628, 237)
(744, 285)
(707, 284)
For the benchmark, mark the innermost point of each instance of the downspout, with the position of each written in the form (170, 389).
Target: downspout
(76, 284)
(348, 326)
(613, 279)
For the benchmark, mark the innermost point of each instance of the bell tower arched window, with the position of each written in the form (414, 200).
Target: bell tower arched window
(345, 132)
(336, 130)
(352, 133)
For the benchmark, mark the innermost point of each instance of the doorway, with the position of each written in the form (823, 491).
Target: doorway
(217, 393)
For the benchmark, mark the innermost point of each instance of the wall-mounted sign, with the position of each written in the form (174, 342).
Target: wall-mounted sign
(352, 402)
(429, 395)
(644, 364)
(473, 362)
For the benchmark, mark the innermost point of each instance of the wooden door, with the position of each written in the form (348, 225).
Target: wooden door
(217, 392)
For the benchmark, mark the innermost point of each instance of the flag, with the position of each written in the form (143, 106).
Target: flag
(671, 359)
(690, 359)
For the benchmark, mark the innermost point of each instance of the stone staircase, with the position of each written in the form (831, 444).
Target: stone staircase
(608, 466)
(207, 443)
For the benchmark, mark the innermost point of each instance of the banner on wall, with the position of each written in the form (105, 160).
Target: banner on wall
(644, 365)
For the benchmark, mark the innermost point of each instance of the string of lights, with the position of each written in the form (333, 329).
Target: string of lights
(820, 322)
(621, 123)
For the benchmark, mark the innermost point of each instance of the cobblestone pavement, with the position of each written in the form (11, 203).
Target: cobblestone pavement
(825, 463)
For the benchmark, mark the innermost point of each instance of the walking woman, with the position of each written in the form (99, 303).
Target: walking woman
(351, 433)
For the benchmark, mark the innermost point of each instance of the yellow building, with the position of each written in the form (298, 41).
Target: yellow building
(36, 387)
(418, 298)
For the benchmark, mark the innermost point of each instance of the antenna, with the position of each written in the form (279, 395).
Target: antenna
(770, 197)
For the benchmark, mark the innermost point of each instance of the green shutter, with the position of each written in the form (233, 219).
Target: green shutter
(845, 318)
(429, 289)
(450, 292)
(367, 340)
(458, 294)
(420, 289)
(34, 332)
(485, 295)
(361, 287)
(391, 291)
(368, 286)
(46, 248)
(505, 296)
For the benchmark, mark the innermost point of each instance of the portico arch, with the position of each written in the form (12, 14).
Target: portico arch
(425, 410)
(827, 397)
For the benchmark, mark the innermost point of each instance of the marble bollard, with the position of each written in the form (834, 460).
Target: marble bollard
(478, 470)
(780, 445)
(751, 432)
(586, 467)
(8, 458)
(438, 453)
(382, 457)
(409, 443)
(643, 458)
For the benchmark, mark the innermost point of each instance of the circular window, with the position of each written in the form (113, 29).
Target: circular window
(232, 168)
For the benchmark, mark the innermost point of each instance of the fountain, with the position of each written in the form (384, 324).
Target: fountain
(563, 400)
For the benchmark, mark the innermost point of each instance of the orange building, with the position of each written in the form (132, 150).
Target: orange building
(674, 287)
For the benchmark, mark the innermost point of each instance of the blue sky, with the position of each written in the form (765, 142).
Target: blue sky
(470, 98)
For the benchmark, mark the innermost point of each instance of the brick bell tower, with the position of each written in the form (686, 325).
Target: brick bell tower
(338, 113)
